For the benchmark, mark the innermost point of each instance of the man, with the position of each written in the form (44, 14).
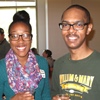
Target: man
(4, 45)
(77, 73)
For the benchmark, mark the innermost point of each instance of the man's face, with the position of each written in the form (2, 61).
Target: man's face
(75, 38)
(1, 37)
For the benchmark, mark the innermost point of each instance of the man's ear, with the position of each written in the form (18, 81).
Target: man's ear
(90, 26)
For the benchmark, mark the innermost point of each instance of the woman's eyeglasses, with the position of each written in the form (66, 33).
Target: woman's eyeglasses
(25, 37)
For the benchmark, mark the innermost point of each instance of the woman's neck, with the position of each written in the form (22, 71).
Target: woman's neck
(22, 60)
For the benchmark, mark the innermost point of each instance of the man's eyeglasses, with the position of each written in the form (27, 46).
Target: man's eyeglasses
(25, 37)
(77, 26)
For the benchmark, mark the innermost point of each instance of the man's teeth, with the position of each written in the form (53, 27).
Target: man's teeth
(72, 38)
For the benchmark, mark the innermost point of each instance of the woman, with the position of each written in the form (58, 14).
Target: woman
(21, 69)
(48, 55)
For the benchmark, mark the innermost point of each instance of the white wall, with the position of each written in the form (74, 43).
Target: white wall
(41, 20)
(56, 42)
(55, 10)
(94, 8)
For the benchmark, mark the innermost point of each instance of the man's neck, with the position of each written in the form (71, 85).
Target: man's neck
(80, 54)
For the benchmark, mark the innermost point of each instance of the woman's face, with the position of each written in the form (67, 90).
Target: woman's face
(44, 54)
(20, 47)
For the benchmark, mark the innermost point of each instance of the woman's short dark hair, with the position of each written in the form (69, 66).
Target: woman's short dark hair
(48, 52)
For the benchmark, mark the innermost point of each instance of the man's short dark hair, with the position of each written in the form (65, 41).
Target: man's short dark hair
(81, 8)
(1, 31)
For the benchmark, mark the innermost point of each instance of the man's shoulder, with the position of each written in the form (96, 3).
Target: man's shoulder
(96, 54)
(6, 42)
(63, 58)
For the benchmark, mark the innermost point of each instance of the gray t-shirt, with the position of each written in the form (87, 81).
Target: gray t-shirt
(80, 79)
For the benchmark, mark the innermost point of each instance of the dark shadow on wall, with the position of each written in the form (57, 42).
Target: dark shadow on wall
(91, 35)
